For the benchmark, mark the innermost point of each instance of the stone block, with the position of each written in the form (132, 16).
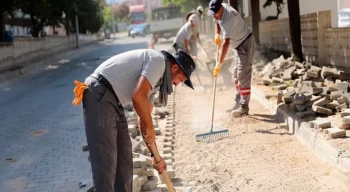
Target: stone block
(336, 133)
(304, 114)
(346, 119)
(140, 171)
(322, 110)
(344, 76)
(346, 97)
(321, 102)
(299, 65)
(277, 80)
(341, 107)
(317, 90)
(304, 106)
(146, 159)
(306, 89)
(343, 86)
(266, 81)
(344, 126)
(321, 124)
(280, 87)
(150, 184)
(340, 100)
(345, 112)
(139, 163)
(157, 131)
(335, 95)
(332, 105)
(314, 72)
(135, 145)
(287, 74)
(136, 183)
(301, 98)
(326, 71)
(277, 73)
(143, 179)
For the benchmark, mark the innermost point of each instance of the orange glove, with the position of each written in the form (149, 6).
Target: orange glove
(217, 39)
(79, 92)
(217, 69)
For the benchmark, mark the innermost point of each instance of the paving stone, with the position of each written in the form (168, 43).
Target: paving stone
(146, 159)
(305, 114)
(277, 80)
(301, 98)
(135, 145)
(151, 172)
(280, 87)
(279, 97)
(136, 183)
(341, 107)
(288, 97)
(314, 72)
(326, 71)
(343, 86)
(346, 97)
(321, 124)
(322, 110)
(296, 83)
(270, 96)
(306, 77)
(335, 95)
(277, 73)
(346, 119)
(299, 65)
(267, 81)
(157, 131)
(150, 184)
(143, 179)
(344, 76)
(332, 105)
(340, 100)
(321, 102)
(162, 112)
(344, 126)
(336, 133)
(306, 89)
(140, 171)
(139, 163)
(287, 74)
(345, 112)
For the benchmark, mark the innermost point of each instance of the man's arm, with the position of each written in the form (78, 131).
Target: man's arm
(199, 41)
(143, 109)
(225, 48)
(217, 28)
(187, 46)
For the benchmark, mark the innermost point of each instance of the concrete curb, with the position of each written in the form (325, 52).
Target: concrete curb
(306, 135)
(38, 64)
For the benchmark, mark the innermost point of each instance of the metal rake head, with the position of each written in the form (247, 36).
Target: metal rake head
(211, 136)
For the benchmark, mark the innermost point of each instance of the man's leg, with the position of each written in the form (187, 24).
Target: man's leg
(237, 96)
(101, 133)
(123, 180)
(244, 74)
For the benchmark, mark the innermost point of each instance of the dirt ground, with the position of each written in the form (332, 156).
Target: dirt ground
(258, 154)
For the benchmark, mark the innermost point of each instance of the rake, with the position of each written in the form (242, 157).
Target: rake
(213, 135)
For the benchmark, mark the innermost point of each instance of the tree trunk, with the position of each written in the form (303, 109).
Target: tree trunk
(234, 4)
(256, 18)
(2, 26)
(294, 27)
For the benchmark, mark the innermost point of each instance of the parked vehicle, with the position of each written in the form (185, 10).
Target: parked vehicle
(166, 21)
(137, 14)
(140, 30)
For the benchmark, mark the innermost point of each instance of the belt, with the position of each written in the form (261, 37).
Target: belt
(105, 82)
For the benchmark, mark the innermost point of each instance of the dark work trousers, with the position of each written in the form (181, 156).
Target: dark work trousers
(108, 138)
(242, 74)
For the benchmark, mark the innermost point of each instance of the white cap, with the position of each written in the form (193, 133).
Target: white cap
(194, 18)
(200, 8)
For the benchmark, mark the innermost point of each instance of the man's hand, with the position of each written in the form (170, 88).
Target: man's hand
(217, 69)
(159, 166)
(217, 39)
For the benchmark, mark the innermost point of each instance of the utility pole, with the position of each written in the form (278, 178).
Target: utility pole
(113, 27)
(76, 31)
(76, 27)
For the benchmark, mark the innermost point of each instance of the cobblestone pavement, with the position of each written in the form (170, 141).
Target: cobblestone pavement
(41, 132)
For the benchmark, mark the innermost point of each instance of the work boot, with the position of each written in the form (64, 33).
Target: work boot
(241, 111)
(235, 107)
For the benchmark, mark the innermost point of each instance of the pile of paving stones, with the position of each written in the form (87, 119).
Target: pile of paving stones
(145, 177)
(307, 89)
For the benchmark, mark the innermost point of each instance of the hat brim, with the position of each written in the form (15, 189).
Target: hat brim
(188, 82)
(211, 12)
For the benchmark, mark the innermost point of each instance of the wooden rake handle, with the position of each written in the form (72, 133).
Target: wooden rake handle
(157, 157)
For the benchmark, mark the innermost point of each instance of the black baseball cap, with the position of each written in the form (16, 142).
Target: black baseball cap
(214, 6)
(185, 62)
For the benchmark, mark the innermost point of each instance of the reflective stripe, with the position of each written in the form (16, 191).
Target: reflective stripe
(244, 91)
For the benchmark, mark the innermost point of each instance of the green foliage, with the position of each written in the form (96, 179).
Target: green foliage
(279, 5)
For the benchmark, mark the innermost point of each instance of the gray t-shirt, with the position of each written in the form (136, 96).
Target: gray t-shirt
(184, 33)
(233, 26)
(124, 70)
